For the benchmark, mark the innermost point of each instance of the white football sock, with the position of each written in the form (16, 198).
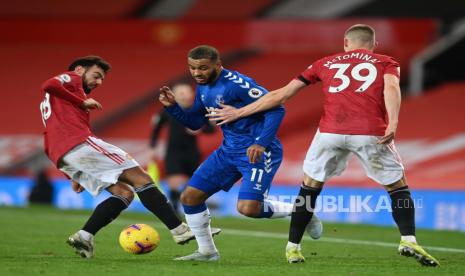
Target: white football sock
(291, 244)
(408, 239)
(280, 209)
(200, 226)
(85, 235)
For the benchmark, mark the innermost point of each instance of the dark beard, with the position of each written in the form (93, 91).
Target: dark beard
(84, 84)
(86, 88)
(212, 77)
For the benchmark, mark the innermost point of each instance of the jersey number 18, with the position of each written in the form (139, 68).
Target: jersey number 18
(45, 108)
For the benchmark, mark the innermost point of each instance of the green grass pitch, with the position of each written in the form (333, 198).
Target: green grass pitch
(33, 243)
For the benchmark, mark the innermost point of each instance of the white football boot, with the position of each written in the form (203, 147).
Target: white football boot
(83, 247)
(188, 235)
(315, 227)
(197, 256)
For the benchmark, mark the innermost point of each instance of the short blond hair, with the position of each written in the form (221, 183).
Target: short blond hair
(362, 33)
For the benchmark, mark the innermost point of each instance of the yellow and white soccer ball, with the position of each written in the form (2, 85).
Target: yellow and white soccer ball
(139, 239)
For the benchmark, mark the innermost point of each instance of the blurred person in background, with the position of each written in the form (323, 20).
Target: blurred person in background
(361, 110)
(42, 191)
(182, 155)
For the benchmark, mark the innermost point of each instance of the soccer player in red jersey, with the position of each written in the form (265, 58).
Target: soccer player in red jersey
(91, 163)
(361, 107)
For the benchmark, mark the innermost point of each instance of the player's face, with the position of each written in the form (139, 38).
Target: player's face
(92, 78)
(203, 70)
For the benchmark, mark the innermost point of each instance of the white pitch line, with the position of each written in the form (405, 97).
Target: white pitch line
(260, 234)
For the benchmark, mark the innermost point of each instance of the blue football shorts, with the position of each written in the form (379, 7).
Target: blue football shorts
(222, 169)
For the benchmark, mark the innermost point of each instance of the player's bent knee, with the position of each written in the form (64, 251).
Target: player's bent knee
(136, 177)
(249, 208)
(129, 195)
(188, 198)
(143, 178)
(191, 197)
(123, 191)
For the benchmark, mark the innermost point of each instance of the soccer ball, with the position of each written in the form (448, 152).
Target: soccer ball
(139, 239)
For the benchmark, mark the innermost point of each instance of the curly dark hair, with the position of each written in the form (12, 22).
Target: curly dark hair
(204, 51)
(89, 61)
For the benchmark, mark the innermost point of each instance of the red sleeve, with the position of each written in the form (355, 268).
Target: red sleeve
(309, 76)
(54, 86)
(392, 67)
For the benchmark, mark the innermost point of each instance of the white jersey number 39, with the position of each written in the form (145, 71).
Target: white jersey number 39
(46, 108)
(355, 73)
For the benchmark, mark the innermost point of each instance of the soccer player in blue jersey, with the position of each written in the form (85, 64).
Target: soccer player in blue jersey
(250, 149)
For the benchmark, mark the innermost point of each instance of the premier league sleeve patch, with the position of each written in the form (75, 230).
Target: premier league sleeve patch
(63, 78)
(255, 93)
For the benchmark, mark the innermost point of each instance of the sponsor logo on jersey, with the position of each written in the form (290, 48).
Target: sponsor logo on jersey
(210, 110)
(255, 93)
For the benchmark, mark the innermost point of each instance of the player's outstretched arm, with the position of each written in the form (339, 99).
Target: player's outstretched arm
(392, 100)
(192, 118)
(55, 87)
(272, 99)
(273, 119)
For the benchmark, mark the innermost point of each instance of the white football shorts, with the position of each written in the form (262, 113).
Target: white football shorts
(329, 154)
(96, 165)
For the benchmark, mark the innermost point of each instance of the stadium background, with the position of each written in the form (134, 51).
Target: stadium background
(270, 40)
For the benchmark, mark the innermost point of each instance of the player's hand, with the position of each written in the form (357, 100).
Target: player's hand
(223, 115)
(166, 96)
(255, 152)
(389, 135)
(76, 187)
(91, 104)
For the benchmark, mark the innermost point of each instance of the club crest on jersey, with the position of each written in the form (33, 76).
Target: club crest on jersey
(219, 99)
(255, 93)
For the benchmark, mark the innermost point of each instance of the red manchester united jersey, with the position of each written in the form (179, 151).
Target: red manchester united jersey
(66, 124)
(353, 84)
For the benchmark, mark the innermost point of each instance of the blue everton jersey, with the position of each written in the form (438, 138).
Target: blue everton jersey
(233, 88)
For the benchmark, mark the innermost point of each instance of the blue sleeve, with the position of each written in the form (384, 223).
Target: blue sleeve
(193, 118)
(273, 117)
